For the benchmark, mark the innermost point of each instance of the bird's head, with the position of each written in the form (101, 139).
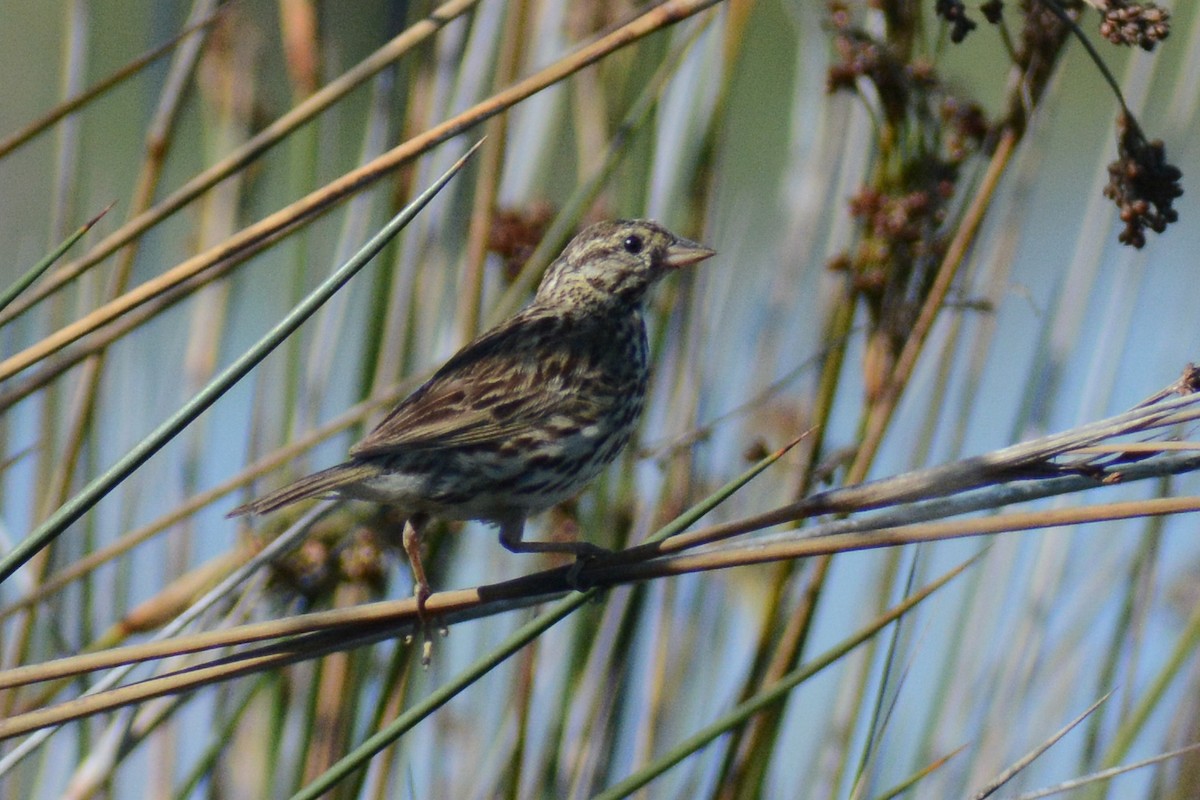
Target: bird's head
(615, 263)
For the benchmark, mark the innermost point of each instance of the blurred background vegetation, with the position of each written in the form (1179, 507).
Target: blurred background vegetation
(917, 262)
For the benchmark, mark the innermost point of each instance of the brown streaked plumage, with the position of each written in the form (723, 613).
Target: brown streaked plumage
(527, 414)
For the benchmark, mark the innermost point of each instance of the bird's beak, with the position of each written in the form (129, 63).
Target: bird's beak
(684, 252)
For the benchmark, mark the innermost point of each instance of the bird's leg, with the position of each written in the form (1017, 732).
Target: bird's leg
(512, 530)
(411, 538)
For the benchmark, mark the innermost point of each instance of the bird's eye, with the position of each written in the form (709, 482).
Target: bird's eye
(633, 244)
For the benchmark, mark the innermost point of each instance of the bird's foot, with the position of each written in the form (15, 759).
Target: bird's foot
(585, 552)
(421, 591)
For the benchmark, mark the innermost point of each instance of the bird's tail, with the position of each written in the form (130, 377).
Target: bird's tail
(322, 483)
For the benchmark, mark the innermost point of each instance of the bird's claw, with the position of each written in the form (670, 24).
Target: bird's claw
(422, 591)
(585, 552)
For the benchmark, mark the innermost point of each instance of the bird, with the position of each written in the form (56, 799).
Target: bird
(527, 414)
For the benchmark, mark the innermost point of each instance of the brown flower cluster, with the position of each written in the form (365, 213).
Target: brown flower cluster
(1142, 183)
(926, 133)
(904, 219)
(858, 56)
(966, 128)
(1128, 23)
(328, 559)
(993, 11)
(515, 232)
(955, 13)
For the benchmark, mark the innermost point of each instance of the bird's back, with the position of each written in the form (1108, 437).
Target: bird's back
(519, 420)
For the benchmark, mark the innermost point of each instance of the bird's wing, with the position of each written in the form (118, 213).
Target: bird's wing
(508, 381)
